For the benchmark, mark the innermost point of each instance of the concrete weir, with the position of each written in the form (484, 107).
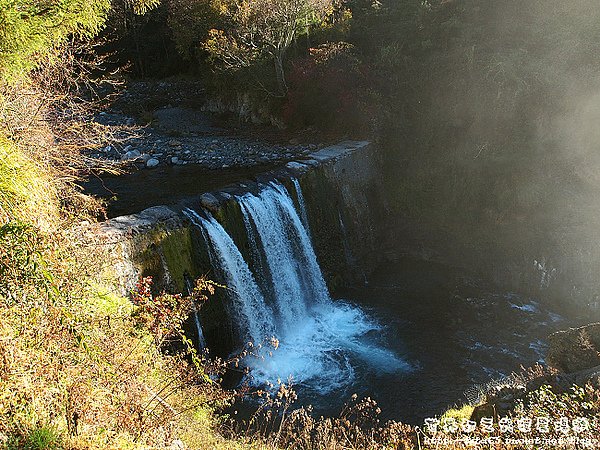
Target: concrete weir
(342, 200)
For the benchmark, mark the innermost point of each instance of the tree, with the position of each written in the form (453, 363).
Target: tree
(264, 30)
(30, 29)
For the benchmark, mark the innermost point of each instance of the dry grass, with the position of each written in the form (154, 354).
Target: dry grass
(76, 366)
(26, 191)
(76, 372)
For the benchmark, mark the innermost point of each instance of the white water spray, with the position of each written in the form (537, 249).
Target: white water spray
(251, 312)
(321, 341)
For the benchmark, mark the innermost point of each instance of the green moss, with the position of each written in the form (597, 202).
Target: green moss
(105, 303)
(145, 254)
(230, 216)
(159, 251)
(177, 250)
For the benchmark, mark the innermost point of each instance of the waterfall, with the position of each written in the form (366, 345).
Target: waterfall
(199, 333)
(301, 204)
(292, 264)
(321, 341)
(248, 305)
(201, 340)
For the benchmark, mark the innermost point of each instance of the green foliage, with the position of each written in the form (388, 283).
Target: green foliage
(29, 29)
(190, 23)
(22, 264)
(26, 192)
(44, 438)
(459, 414)
(261, 30)
(376, 25)
(141, 6)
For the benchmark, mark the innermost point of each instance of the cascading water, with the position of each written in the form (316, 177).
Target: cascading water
(201, 340)
(321, 342)
(301, 204)
(196, 310)
(251, 311)
(292, 264)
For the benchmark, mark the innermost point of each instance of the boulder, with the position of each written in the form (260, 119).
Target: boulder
(297, 166)
(131, 155)
(151, 163)
(210, 202)
(575, 349)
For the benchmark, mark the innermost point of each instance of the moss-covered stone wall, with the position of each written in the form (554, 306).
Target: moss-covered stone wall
(344, 203)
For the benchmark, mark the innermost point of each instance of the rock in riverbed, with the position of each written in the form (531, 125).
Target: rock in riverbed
(151, 163)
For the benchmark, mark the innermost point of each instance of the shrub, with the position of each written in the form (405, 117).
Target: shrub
(163, 315)
(44, 438)
(358, 425)
(22, 265)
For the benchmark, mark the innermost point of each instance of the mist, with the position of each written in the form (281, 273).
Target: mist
(504, 145)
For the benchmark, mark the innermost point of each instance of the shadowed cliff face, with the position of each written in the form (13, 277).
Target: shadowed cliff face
(503, 155)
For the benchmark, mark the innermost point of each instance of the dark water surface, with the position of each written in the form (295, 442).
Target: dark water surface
(455, 331)
(132, 193)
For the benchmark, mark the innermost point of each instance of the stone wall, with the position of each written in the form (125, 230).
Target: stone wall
(344, 204)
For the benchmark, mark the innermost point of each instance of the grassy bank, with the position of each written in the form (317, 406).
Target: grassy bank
(78, 369)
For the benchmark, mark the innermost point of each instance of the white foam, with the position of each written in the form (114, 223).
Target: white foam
(324, 350)
(322, 342)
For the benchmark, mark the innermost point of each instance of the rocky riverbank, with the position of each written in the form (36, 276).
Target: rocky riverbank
(166, 123)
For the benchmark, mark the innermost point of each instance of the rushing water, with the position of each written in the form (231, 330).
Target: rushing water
(301, 204)
(461, 332)
(322, 342)
(422, 335)
(252, 313)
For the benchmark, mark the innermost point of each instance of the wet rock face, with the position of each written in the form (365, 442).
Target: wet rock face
(151, 243)
(576, 349)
